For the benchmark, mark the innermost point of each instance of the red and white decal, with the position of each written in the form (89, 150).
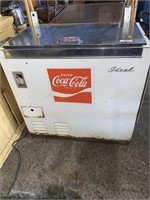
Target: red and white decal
(71, 85)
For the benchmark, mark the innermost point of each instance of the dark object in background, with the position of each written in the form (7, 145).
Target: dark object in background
(12, 8)
(49, 10)
(143, 16)
(62, 2)
(106, 1)
(101, 12)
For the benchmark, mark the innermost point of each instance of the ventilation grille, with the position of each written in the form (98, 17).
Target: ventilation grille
(61, 128)
(39, 128)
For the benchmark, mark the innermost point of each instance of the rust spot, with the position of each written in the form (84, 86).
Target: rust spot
(39, 134)
(88, 139)
(35, 116)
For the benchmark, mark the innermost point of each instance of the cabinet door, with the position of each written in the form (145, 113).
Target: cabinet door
(11, 121)
(8, 125)
(7, 92)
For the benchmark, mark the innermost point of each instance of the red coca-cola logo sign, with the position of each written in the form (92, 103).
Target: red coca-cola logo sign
(71, 85)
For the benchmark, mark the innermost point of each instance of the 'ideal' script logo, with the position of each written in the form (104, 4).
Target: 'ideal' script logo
(71, 85)
(121, 69)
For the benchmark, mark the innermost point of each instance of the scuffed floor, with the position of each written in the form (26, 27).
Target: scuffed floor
(54, 168)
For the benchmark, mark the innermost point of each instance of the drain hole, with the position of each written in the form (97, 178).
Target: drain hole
(32, 110)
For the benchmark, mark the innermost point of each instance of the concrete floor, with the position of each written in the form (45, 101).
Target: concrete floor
(54, 168)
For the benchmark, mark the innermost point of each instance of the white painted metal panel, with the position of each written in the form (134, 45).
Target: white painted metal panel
(115, 86)
(34, 112)
(116, 95)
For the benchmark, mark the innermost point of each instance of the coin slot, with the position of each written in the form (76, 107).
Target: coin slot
(19, 79)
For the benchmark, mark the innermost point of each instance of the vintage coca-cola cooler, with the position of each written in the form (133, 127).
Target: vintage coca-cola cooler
(79, 80)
